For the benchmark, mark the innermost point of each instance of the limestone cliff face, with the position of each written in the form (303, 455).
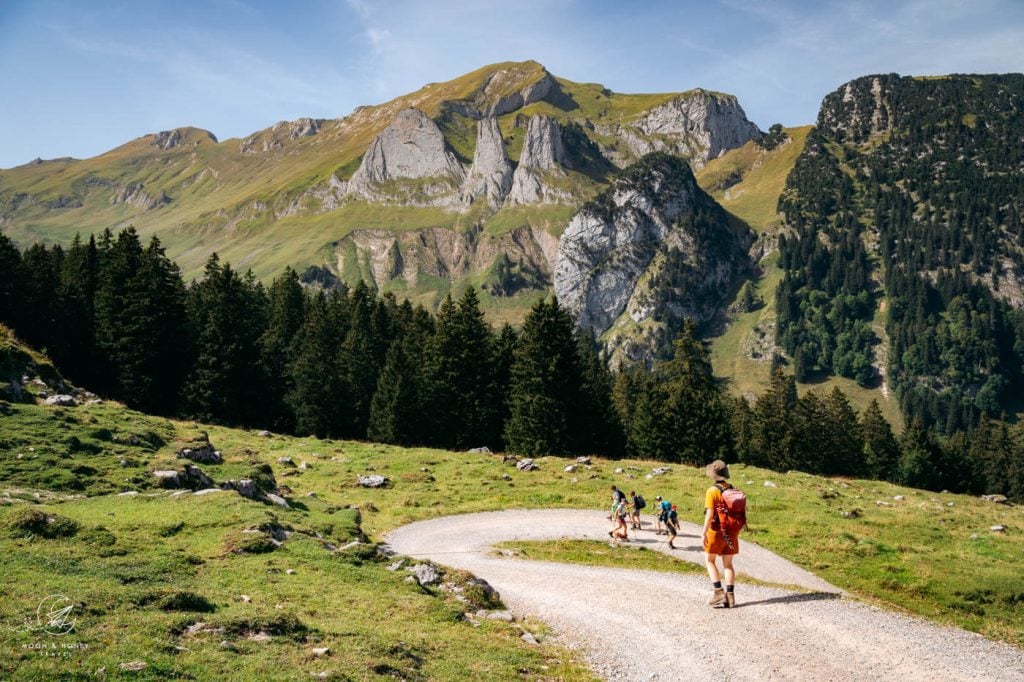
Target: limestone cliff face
(543, 154)
(650, 252)
(859, 110)
(387, 257)
(491, 173)
(410, 148)
(698, 125)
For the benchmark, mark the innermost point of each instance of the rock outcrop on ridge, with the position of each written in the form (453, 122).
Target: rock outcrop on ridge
(491, 174)
(650, 252)
(412, 147)
(543, 152)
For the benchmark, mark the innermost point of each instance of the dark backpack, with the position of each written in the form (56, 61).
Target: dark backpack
(640, 502)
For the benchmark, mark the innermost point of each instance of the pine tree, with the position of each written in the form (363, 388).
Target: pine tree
(10, 266)
(76, 314)
(921, 458)
(396, 411)
(227, 314)
(775, 438)
(649, 434)
(358, 359)
(284, 319)
(545, 386)
(845, 441)
(501, 383)
(460, 373)
(697, 417)
(316, 393)
(600, 429)
(881, 450)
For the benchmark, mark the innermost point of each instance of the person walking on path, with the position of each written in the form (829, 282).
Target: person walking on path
(664, 507)
(618, 515)
(638, 503)
(672, 525)
(716, 542)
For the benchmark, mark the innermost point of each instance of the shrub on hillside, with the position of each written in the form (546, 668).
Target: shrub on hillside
(27, 523)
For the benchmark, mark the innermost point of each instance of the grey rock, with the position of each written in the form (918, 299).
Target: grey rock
(506, 477)
(263, 434)
(542, 153)
(480, 451)
(397, 565)
(373, 481)
(61, 400)
(321, 651)
(613, 250)
(490, 176)
(998, 528)
(208, 491)
(569, 469)
(425, 574)
(583, 460)
(898, 498)
(244, 487)
(133, 666)
(277, 500)
(412, 147)
(998, 499)
(203, 453)
(660, 471)
(260, 637)
(526, 465)
(167, 479)
(291, 571)
(504, 616)
(286, 461)
(128, 493)
(769, 484)
(529, 638)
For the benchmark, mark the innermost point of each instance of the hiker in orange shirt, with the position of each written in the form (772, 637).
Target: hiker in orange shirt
(716, 543)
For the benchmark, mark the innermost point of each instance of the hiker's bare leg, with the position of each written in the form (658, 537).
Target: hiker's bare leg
(730, 574)
(709, 561)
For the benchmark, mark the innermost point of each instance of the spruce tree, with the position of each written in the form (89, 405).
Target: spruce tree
(10, 266)
(545, 386)
(600, 428)
(775, 439)
(396, 411)
(881, 450)
(358, 359)
(286, 302)
(316, 393)
(845, 454)
(697, 417)
(501, 381)
(460, 373)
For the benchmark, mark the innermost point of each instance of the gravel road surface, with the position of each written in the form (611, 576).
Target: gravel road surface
(644, 625)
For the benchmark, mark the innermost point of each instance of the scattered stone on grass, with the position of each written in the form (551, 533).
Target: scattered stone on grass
(480, 451)
(321, 651)
(998, 499)
(526, 465)
(263, 434)
(373, 481)
(528, 638)
(583, 460)
(61, 400)
(569, 469)
(999, 528)
(277, 500)
(425, 574)
(133, 666)
(770, 484)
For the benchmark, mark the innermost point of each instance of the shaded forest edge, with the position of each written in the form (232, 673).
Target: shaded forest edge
(118, 318)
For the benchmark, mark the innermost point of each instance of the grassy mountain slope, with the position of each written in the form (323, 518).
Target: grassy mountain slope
(747, 182)
(251, 200)
(142, 569)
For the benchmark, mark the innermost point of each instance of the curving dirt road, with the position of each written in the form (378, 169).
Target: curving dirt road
(643, 625)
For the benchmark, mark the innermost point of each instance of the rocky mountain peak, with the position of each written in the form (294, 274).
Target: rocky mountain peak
(649, 252)
(491, 173)
(169, 139)
(543, 152)
(411, 147)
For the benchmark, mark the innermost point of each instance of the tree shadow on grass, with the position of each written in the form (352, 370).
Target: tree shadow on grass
(793, 599)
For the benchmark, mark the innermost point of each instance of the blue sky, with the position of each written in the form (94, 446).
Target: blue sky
(80, 77)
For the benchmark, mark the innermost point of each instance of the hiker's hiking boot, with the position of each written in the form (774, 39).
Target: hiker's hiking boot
(718, 599)
(730, 600)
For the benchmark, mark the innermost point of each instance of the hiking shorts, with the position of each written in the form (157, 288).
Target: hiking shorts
(716, 544)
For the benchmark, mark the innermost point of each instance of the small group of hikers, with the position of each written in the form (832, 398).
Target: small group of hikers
(724, 517)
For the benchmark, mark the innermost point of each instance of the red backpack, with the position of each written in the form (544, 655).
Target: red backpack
(731, 512)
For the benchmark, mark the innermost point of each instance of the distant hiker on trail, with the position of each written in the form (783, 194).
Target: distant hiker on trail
(664, 507)
(724, 516)
(638, 503)
(672, 526)
(618, 515)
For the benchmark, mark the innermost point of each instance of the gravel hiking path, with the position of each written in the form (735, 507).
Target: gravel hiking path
(642, 625)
